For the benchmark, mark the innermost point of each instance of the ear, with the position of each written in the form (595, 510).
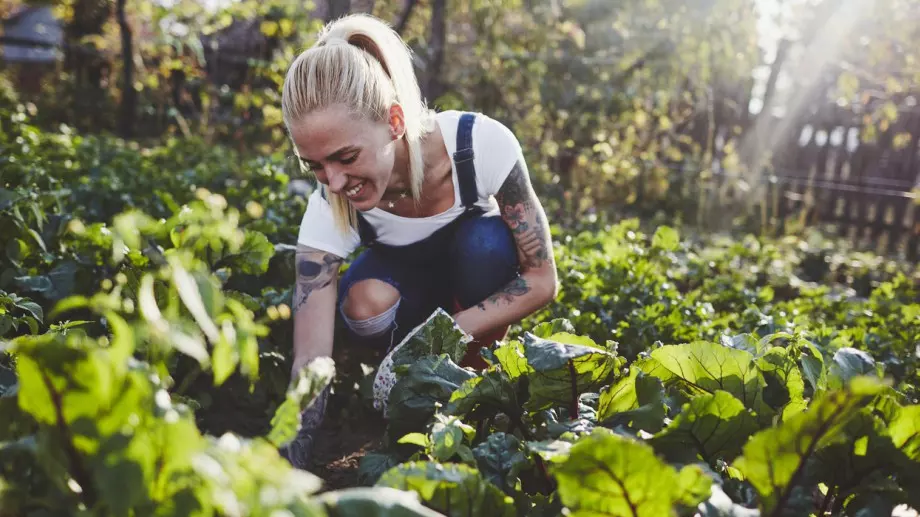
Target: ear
(397, 121)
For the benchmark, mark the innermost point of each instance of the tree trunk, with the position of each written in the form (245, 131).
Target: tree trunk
(362, 6)
(337, 9)
(128, 106)
(435, 86)
(404, 15)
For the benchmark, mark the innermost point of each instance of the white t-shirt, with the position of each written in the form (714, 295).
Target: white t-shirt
(495, 151)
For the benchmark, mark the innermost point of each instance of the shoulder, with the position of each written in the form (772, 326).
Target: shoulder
(496, 150)
(318, 229)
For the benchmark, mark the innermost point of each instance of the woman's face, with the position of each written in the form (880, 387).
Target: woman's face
(352, 156)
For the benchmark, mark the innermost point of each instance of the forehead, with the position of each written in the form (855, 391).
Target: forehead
(323, 132)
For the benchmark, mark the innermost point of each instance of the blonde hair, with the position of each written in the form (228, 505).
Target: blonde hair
(361, 62)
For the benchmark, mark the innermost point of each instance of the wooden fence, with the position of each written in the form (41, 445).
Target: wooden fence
(865, 190)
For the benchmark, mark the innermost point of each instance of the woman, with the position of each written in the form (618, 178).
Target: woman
(442, 202)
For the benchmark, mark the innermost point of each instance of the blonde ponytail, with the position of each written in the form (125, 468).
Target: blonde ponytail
(361, 62)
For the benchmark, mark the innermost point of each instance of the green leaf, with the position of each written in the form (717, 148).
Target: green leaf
(608, 474)
(557, 372)
(439, 334)
(702, 367)
(493, 391)
(636, 400)
(304, 390)
(784, 382)
(710, 427)
(905, 432)
(452, 489)
(666, 238)
(374, 502)
(773, 460)
(847, 364)
(32, 308)
(548, 328)
(428, 383)
(419, 439)
(501, 458)
(447, 434)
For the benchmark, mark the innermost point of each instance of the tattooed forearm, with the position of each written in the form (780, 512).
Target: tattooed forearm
(315, 271)
(517, 287)
(527, 222)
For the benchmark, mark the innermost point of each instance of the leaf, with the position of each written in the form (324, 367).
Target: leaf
(452, 489)
(905, 432)
(492, 391)
(428, 383)
(847, 364)
(710, 427)
(555, 326)
(666, 239)
(609, 474)
(373, 502)
(439, 334)
(720, 505)
(773, 460)
(784, 382)
(636, 400)
(32, 308)
(557, 372)
(500, 459)
(702, 367)
(447, 434)
(304, 390)
(375, 464)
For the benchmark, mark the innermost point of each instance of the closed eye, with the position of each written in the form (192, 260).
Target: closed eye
(350, 159)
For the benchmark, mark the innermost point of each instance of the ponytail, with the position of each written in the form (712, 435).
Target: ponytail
(361, 62)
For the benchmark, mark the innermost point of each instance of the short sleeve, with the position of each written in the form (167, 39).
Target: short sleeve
(318, 230)
(495, 150)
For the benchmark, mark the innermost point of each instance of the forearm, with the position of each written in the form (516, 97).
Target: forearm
(521, 297)
(314, 303)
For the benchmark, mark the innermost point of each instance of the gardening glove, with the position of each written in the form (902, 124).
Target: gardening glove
(299, 451)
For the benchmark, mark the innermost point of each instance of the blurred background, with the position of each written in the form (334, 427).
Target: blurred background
(764, 116)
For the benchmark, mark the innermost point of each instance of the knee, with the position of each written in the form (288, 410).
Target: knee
(368, 299)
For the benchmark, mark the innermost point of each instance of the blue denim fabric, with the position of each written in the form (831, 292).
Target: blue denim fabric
(479, 258)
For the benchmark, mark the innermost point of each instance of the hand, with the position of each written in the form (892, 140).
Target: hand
(299, 451)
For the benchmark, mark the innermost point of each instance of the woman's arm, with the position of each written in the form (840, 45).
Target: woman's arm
(537, 284)
(315, 293)
(314, 317)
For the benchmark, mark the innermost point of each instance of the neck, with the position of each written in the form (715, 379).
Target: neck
(399, 178)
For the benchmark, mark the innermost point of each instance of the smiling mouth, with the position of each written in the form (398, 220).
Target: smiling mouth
(354, 191)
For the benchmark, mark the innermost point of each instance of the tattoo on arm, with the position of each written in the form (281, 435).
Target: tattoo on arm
(315, 270)
(517, 287)
(526, 220)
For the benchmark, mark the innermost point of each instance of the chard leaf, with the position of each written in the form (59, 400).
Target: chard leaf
(636, 401)
(374, 502)
(447, 434)
(439, 334)
(500, 459)
(301, 394)
(709, 427)
(702, 367)
(555, 326)
(428, 383)
(557, 372)
(847, 364)
(452, 489)
(608, 474)
(905, 432)
(774, 460)
(784, 382)
(492, 391)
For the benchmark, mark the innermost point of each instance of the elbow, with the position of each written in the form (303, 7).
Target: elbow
(548, 287)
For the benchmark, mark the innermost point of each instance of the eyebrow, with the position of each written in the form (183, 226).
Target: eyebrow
(340, 152)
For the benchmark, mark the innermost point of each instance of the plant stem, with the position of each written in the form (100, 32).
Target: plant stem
(80, 474)
(573, 410)
(827, 501)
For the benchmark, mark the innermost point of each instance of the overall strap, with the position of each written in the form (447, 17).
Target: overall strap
(463, 158)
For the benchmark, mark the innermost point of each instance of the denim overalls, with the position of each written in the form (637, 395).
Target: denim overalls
(457, 267)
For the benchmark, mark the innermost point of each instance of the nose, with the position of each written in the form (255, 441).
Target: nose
(337, 180)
